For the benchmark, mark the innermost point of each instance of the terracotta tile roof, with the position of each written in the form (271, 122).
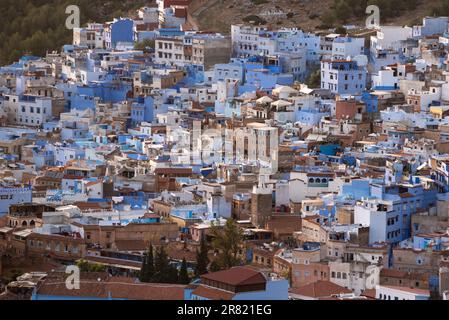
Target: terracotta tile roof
(369, 293)
(320, 289)
(237, 276)
(213, 293)
(117, 288)
(147, 291)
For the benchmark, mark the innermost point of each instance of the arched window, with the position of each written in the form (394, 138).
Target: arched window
(32, 223)
(311, 180)
(24, 224)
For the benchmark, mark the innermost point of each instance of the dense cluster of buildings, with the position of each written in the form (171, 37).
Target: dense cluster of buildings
(341, 188)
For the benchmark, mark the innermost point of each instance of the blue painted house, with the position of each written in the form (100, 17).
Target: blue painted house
(142, 110)
(121, 30)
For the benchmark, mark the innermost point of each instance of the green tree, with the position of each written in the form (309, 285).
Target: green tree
(143, 268)
(97, 267)
(183, 273)
(147, 269)
(442, 9)
(172, 275)
(85, 266)
(314, 80)
(202, 258)
(40, 24)
(328, 19)
(163, 271)
(147, 43)
(342, 10)
(227, 242)
(215, 266)
(340, 30)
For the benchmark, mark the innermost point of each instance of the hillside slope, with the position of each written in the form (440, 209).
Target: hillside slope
(309, 14)
(35, 26)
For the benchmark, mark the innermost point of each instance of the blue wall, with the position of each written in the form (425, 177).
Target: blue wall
(357, 189)
(371, 102)
(122, 31)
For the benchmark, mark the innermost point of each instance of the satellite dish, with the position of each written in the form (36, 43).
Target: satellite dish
(362, 60)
